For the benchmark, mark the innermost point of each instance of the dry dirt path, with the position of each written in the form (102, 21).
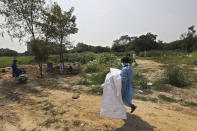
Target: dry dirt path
(83, 115)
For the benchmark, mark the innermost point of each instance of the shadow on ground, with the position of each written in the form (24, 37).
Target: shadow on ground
(135, 123)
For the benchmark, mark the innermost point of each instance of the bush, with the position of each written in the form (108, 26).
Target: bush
(140, 80)
(93, 66)
(176, 76)
(99, 78)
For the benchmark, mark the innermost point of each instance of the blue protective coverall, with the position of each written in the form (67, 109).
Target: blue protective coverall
(15, 70)
(127, 89)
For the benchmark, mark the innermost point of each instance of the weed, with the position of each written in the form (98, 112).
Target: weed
(97, 90)
(48, 106)
(57, 127)
(94, 66)
(176, 76)
(99, 78)
(83, 82)
(192, 104)
(141, 98)
(167, 99)
(160, 86)
(48, 122)
(53, 113)
(62, 113)
(66, 129)
(154, 100)
(34, 129)
(140, 81)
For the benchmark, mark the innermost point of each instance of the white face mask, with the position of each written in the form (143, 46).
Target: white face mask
(122, 64)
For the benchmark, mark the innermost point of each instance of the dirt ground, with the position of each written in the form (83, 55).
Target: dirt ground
(47, 105)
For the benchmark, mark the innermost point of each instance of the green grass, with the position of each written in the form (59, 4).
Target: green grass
(83, 82)
(173, 57)
(57, 127)
(191, 104)
(167, 99)
(142, 98)
(66, 129)
(160, 86)
(48, 122)
(96, 90)
(140, 81)
(176, 76)
(7, 61)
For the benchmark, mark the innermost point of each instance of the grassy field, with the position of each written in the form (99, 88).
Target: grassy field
(171, 57)
(7, 61)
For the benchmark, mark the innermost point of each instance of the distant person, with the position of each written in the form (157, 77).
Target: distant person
(134, 58)
(15, 70)
(61, 66)
(126, 78)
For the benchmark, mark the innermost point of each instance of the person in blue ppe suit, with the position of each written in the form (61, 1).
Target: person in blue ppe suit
(127, 89)
(15, 71)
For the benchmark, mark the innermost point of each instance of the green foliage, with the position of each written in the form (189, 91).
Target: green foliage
(7, 61)
(160, 86)
(99, 78)
(21, 16)
(82, 58)
(81, 47)
(66, 129)
(93, 66)
(140, 81)
(97, 90)
(191, 104)
(142, 98)
(107, 59)
(7, 52)
(40, 49)
(57, 25)
(48, 122)
(167, 99)
(83, 82)
(176, 76)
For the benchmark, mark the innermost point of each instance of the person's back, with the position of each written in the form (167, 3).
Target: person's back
(15, 70)
(127, 89)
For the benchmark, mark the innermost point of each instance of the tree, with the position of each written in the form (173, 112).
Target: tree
(20, 17)
(7, 52)
(57, 25)
(41, 51)
(121, 44)
(189, 40)
(146, 42)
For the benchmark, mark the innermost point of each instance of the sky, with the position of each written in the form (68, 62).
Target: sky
(100, 22)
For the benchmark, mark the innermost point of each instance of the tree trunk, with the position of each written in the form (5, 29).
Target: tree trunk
(40, 65)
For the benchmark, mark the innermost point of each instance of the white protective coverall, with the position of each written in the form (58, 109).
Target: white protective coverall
(112, 104)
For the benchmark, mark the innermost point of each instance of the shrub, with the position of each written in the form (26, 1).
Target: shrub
(106, 58)
(140, 80)
(176, 76)
(93, 66)
(99, 78)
